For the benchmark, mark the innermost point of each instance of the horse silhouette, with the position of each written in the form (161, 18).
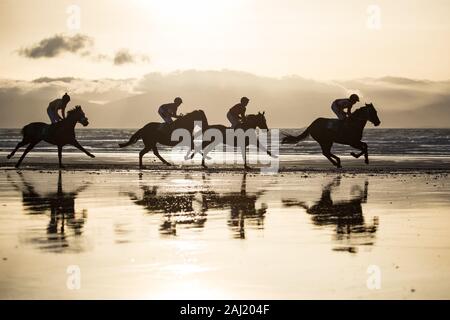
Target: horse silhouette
(155, 132)
(347, 216)
(176, 208)
(60, 134)
(252, 121)
(348, 132)
(242, 206)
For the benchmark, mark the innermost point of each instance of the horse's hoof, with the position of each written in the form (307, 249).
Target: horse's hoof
(367, 161)
(354, 154)
(8, 156)
(168, 164)
(92, 156)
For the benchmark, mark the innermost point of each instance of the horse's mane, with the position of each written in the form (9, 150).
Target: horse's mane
(73, 110)
(359, 110)
(252, 115)
(195, 111)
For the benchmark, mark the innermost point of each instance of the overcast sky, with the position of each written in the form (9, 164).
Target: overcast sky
(322, 39)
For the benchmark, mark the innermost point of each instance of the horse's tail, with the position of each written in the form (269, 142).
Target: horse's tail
(134, 138)
(294, 139)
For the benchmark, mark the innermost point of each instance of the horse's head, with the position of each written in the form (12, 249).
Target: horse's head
(257, 120)
(372, 114)
(78, 115)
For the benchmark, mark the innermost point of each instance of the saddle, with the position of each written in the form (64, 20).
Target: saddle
(340, 127)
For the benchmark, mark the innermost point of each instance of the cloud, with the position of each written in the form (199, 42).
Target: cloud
(57, 45)
(288, 101)
(47, 79)
(81, 45)
(123, 56)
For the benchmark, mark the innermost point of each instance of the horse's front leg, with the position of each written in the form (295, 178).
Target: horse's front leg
(60, 149)
(264, 149)
(357, 155)
(60, 157)
(244, 155)
(77, 145)
(364, 151)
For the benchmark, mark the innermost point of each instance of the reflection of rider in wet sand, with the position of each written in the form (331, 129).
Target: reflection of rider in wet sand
(61, 206)
(347, 216)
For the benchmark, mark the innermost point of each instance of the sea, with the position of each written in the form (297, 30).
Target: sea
(382, 142)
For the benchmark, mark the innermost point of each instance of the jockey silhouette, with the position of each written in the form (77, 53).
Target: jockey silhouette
(55, 105)
(236, 115)
(169, 110)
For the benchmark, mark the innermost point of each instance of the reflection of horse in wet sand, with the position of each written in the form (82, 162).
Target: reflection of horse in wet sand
(61, 206)
(347, 216)
(177, 208)
(190, 208)
(242, 207)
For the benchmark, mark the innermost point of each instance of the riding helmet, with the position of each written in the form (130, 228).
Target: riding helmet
(178, 100)
(244, 100)
(354, 98)
(66, 97)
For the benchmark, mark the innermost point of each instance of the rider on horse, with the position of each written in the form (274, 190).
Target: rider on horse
(55, 105)
(236, 115)
(169, 110)
(339, 105)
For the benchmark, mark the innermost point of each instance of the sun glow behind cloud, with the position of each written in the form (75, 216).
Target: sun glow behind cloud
(321, 40)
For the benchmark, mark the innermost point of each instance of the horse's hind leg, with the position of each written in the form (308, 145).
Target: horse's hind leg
(156, 153)
(28, 149)
(326, 151)
(19, 145)
(142, 153)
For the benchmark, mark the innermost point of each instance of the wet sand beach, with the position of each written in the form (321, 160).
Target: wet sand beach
(223, 234)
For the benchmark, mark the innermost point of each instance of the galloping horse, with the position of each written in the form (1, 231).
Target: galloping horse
(328, 131)
(60, 134)
(154, 133)
(252, 121)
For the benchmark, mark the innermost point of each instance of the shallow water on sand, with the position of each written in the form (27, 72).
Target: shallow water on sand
(169, 234)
